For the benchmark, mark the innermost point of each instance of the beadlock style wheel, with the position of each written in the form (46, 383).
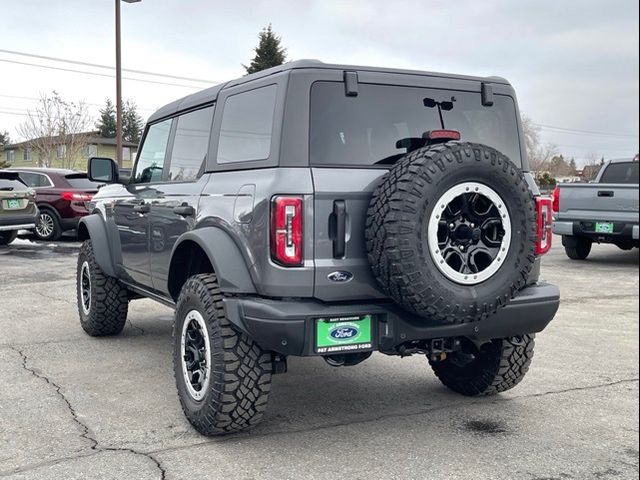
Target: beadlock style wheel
(469, 233)
(196, 355)
(85, 288)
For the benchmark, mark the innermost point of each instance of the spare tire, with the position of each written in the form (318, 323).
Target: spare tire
(451, 232)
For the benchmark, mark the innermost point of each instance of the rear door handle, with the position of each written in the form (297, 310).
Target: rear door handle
(142, 208)
(606, 193)
(340, 240)
(184, 211)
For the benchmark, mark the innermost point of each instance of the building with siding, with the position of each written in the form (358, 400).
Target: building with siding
(20, 155)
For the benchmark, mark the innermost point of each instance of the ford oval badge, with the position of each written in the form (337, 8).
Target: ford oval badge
(344, 332)
(340, 276)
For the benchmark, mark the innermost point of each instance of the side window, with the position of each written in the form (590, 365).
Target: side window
(151, 160)
(247, 124)
(190, 145)
(34, 180)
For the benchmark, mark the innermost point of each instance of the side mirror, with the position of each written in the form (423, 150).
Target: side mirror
(103, 170)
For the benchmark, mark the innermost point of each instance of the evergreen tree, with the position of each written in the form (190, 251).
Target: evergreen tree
(106, 124)
(573, 167)
(269, 52)
(132, 123)
(4, 139)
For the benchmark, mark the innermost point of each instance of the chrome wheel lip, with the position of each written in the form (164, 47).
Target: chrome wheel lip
(195, 316)
(85, 288)
(45, 225)
(434, 223)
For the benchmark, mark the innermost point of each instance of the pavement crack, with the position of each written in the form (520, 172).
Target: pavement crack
(135, 327)
(83, 427)
(85, 432)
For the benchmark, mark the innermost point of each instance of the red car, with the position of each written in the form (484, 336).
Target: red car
(60, 195)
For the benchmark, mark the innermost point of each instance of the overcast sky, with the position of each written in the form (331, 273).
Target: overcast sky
(574, 64)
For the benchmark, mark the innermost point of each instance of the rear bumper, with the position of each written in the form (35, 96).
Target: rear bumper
(622, 231)
(17, 222)
(287, 326)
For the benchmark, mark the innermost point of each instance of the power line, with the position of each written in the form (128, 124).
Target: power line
(98, 74)
(584, 132)
(97, 65)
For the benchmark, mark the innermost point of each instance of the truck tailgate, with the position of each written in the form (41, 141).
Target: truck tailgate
(606, 202)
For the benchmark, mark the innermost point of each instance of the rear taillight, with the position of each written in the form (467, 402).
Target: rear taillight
(556, 199)
(75, 197)
(544, 221)
(286, 231)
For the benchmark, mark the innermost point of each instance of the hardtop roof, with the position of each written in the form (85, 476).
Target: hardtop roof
(210, 95)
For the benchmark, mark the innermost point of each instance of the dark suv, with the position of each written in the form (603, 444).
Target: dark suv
(61, 196)
(328, 210)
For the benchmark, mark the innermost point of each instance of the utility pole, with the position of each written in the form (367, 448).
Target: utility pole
(119, 85)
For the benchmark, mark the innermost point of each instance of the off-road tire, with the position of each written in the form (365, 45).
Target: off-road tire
(498, 367)
(8, 237)
(396, 237)
(109, 303)
(579, 251)
(240, 382)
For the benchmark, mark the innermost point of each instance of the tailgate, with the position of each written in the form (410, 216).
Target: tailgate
(340, 208)
(606, 202)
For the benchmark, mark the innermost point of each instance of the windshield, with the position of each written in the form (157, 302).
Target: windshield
(365, 130)
(625, 173)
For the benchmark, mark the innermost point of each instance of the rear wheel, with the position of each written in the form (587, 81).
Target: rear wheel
(578, 248)
(103, 302)
(7, 237)
(47, 226)
(222, 376)
(495, 367)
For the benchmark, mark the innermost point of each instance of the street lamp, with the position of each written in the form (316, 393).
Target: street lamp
(119, 85)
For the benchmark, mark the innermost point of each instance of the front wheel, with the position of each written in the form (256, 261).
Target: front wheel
(8, 237)
(493, 368)
(103, 302)
(222, 376)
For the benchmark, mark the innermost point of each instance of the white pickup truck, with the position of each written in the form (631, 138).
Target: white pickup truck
(605, 211)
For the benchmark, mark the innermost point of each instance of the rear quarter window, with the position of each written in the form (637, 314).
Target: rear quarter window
(364, 130)
(247, 126)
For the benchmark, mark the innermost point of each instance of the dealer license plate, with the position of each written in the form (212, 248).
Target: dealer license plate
(343, 334)
(13, 204)
(604, 227)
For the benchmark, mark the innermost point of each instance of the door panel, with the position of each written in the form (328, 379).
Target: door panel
(132, 223)
(173, 213)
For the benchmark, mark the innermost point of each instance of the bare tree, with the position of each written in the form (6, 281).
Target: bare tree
(540, 154)
(57, 131)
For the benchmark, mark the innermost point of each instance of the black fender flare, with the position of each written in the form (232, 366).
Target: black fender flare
(93, 227)
(225, 256)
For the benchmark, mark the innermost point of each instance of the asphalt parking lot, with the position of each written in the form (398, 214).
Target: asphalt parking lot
(72, 406)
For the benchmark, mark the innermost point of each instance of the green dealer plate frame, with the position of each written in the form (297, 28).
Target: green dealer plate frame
(13, 204)
(344, 334)
(604, 227)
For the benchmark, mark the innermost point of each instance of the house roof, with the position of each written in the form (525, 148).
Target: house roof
(92, 138)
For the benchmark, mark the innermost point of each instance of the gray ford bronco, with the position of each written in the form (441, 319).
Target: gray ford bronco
(328, 210)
